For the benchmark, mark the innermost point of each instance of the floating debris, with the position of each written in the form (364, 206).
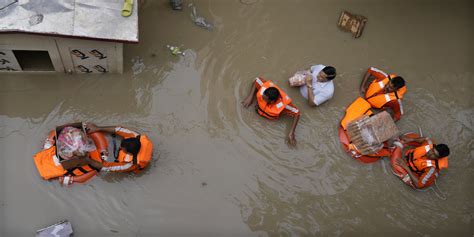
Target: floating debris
(352, 23)
(175, 50)
(199, 20)
(61, 229)
(176, 4)
(138, 65)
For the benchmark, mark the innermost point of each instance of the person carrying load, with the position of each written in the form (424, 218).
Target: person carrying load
(379, 92)
(271, 103)
(69, 155)
(421, 163)
(316, 84)
(135, 149)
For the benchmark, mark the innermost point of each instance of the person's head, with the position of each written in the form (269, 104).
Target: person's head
(327, 74)
(395, 84)
(131, 145)
(271, 94)
(438, 151)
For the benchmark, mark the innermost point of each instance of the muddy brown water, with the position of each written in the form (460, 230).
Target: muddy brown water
(219, 169)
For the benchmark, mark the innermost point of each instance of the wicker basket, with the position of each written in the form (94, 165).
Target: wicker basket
(368, 134)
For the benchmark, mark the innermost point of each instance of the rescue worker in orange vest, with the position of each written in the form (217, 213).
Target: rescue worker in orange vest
(424, 162)
(379, 91)
(135, 149)
(271, 103)
(384, 91)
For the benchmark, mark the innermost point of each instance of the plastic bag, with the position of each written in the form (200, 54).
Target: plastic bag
(199, 20)
(73, 142)
(298, 79)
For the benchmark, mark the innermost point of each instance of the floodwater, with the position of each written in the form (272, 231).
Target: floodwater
(221, 170)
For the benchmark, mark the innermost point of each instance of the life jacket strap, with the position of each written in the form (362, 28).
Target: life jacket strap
(411, 163)
(70, 172)
(261, 110)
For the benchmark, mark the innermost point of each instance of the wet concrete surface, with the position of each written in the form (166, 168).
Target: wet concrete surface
(221, 170)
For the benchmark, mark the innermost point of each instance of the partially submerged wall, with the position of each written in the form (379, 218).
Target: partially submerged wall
(66, 54)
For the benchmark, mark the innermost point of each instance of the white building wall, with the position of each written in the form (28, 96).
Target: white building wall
(10, 42)
(69, 54)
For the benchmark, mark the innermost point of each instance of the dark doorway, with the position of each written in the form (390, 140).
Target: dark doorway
(34, 60)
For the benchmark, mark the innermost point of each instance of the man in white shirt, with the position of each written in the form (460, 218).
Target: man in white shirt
(319, 86)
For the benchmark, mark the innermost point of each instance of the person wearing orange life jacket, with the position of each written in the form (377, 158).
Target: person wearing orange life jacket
(379, 92)
(271, 103)
(135, 149)
(423, 163)
(384, 91)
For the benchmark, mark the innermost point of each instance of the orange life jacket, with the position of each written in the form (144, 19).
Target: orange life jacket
(359, 107)
(143, 157)
(48, 163)
(271, 110)
(49, 166)
(417, 160)
(377, 99)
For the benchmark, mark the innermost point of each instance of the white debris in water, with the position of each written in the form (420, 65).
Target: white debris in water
(199, 20)
(138, 65)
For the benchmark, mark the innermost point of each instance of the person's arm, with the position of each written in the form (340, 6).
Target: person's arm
(95, 164)
(118, 167)
(249, 99)
(394, 108)
(363, 84)
(80, 161)
(291, 134)
(294, 112)
(413, 177)
(309, 87)
(407, 139)
(91, 128)
(74, 162)
(68, 179)
(118, 130)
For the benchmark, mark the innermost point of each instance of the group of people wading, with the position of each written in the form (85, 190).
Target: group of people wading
(416, 160)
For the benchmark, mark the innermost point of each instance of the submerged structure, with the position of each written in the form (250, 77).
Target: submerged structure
(74, 36)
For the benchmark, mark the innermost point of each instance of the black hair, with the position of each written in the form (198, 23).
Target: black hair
(330, 72)
(443, 150)
(398, 82)
(131, 145)
(272, 93)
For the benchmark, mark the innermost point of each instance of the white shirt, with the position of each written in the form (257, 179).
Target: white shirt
(322, 91)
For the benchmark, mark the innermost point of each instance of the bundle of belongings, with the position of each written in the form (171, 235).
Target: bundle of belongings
(368, 134)
(73, 142)
(298, 79)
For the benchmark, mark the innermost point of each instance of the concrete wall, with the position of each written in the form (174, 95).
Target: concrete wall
(67, 54)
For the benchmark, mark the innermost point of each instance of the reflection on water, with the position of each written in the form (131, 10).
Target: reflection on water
(255, 185)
